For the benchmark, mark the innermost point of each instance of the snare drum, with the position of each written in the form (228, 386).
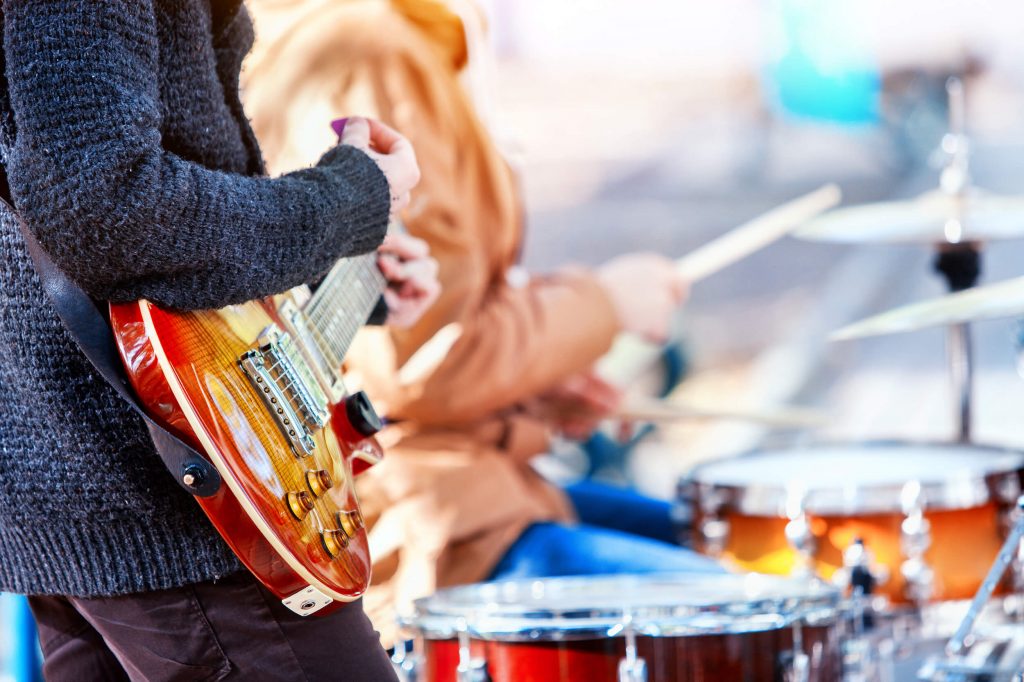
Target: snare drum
(630, 629)
(932, 516)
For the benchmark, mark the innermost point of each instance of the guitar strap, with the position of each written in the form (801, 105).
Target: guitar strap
(90, 330)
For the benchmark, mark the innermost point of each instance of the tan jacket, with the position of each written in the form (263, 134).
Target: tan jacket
(455, 488)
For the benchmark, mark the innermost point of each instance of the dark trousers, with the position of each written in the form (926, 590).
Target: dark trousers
(231, 629)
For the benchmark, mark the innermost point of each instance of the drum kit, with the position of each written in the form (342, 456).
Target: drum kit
(878, 561)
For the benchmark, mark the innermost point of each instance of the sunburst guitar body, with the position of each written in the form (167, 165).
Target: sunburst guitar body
(257, 388)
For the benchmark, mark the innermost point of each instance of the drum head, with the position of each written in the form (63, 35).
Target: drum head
(600, 606)
(860, 478)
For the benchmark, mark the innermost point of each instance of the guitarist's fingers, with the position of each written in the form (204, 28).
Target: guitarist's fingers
(356, 132)
(384, 137)
(391, 268)
(404, 246)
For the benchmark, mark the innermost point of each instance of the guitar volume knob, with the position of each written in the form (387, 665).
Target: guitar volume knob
(334, 542)
(300, 504)
(319, 482)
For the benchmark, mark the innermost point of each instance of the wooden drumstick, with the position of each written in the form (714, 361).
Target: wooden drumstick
(665, 411)
(756, 234)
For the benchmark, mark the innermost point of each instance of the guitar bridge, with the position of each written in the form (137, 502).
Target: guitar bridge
(293, 397)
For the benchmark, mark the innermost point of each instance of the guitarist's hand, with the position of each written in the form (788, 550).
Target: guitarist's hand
(392, 153)
(412, 278)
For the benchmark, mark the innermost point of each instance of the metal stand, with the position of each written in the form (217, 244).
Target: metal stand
(958, 260)
(960, 639)
(961, 266)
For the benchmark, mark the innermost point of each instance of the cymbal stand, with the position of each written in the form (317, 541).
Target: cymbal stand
(958, 260)
(962, 637)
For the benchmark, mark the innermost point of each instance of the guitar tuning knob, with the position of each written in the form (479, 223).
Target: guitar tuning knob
(300, 504)
(334, 542)
(319, 482)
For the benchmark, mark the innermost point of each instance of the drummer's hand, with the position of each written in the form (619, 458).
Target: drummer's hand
(392, 153)
(645, 290)
(411, 273)
(576, 406)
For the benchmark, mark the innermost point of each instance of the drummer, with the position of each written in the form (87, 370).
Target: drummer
(477, 387)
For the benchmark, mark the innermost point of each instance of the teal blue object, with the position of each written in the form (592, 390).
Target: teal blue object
(823, 66)
(19, 657)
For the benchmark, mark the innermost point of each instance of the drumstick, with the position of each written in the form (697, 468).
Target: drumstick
(664, 411)
(756, 234)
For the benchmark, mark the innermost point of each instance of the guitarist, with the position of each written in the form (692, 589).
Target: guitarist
(457, 500)
(129, 157)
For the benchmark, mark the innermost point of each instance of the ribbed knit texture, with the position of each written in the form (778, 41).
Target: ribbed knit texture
(130, 158)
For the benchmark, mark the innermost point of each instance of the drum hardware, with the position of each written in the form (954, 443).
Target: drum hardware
(915, 539)
(961, 266)
(796, 663)
(1009, 550)
(470, 669)
(961, 660)
(800, 536)
(632, 668)
(955, 219)
(714, 529)
(860, 576)
(866, 658)
(405, 661)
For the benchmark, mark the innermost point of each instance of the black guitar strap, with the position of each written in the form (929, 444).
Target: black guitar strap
(92, 333)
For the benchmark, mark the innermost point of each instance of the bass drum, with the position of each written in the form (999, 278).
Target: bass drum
(926, 520)
(661, 628)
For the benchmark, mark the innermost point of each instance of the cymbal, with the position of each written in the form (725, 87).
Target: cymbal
(653, 410)
(932, 218)
(993, 301)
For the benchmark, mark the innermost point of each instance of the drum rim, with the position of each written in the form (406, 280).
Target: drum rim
(817, 605)
(776, 500)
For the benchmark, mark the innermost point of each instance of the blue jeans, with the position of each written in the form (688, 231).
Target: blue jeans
(620, 531)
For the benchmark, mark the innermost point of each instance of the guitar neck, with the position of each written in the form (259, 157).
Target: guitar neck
(344, 302)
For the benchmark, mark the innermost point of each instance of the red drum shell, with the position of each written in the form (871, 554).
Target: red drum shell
(747, 657)
(688, 627)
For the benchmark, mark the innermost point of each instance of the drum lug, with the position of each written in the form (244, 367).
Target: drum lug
(405, 662)
(714, 530)
(469, 669)
(632, 672)
(796, 666)
(632, 668)
(915, 539)
(800, 536)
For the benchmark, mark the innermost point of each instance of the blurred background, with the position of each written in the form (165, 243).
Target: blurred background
(661, 124)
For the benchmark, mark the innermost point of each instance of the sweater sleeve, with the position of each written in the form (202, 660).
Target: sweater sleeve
(127, 219)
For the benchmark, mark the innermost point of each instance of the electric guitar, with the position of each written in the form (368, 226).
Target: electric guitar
(257, 388)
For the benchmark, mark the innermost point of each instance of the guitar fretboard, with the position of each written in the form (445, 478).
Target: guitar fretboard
(344, 301)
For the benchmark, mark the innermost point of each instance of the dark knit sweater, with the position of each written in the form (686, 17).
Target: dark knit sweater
(130, 158)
